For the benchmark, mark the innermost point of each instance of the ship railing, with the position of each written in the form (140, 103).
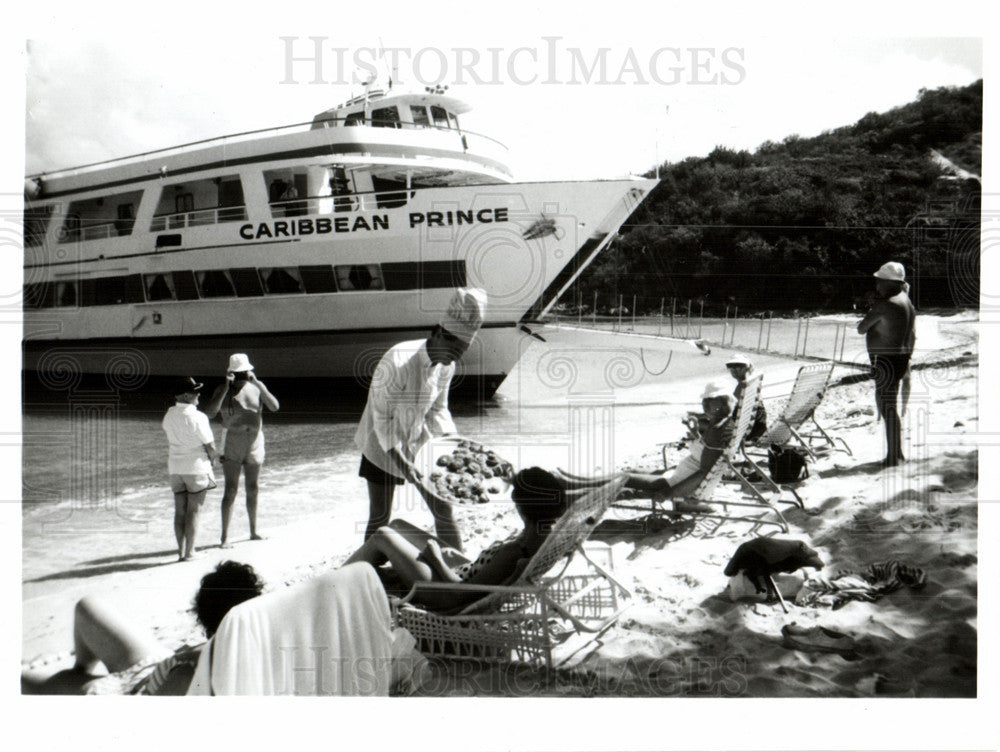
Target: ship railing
(398, 125)
(111, 229)
(469, 137)
(341, 204)
(198, 218)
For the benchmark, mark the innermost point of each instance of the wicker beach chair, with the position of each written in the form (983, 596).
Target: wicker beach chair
(547, 605)
(807, 392)
(709, 504)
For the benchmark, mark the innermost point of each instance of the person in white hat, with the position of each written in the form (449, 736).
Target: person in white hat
(740, 367)
(189, 461)
(714, 430)
(408, 404)
(890, 335)
(241, 400)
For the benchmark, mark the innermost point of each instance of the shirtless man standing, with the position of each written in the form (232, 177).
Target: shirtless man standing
(241, 400)
(890, 336)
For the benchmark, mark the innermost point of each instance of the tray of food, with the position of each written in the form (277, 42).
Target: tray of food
(463, 471)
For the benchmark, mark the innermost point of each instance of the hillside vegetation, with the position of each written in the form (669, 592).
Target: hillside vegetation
(802, 224)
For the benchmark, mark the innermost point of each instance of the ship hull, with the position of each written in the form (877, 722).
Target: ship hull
(523, 243)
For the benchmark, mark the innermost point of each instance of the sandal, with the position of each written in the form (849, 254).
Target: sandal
(819, 639)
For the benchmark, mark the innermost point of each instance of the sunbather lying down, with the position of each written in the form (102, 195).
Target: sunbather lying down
(139, 663)
(541, 497)
(707, 443)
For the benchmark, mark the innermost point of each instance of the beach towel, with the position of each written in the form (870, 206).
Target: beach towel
(328, 636)
(868, 585)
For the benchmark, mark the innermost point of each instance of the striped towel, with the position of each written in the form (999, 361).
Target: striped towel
(868, 585)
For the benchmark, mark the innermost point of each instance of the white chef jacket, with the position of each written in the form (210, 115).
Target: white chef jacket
(407, 404)
(188, 430)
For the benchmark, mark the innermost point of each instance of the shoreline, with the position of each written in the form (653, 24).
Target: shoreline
(670, 610)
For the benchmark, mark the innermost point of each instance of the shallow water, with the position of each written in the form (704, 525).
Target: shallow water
(94, 470)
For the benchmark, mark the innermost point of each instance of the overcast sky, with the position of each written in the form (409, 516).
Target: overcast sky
(568, 103)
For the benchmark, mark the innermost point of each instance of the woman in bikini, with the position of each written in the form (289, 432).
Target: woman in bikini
(541, 498)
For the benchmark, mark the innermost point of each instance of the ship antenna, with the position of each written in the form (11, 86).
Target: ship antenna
(390, 73)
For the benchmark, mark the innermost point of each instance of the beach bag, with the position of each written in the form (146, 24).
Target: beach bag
(787, 464)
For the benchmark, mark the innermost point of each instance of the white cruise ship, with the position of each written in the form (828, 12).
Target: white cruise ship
(312, 247)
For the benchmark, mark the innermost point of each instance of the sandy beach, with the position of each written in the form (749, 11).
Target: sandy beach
(684, 636)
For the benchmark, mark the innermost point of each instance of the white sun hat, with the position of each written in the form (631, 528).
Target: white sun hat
(239, 362)
(465, 313)
(892, 271)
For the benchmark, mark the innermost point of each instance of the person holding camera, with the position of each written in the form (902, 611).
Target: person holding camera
(241, 401)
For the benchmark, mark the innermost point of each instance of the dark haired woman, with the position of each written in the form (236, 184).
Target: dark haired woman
(540, 498)
(138, 663)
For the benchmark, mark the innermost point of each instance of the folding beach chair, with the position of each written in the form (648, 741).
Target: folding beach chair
(704, 503)
(807, 393)
(547, 604)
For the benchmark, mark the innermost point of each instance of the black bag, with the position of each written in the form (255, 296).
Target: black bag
(787, 464)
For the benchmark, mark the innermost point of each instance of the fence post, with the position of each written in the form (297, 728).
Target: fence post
(673, 311)
(701, 320)
(843, 340)
(732, 335)
(579, 308)
(619, 314)
(659, 323)
(798, 333)
(836, 336)
(633, 313)
(805, 338)
(687, 326)
(760, 334)
(593, 315)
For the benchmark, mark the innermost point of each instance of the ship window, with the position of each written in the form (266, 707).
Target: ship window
(36, 222)
(126, 219)
(159, 287)
(98, 217)
(247, 282)
(112, 290)
(284, 191)
(87, 292)
(199, 202)
(414, 275)
(340, 187)
(453, 119)
(38, 295)
(215, 283)
(419, 114)
(318, 279)
(359, 277)
(389, 194)
(184, 285)
(355, 118)
(169, 241)
(440, 116)
(281, 280)
(385, 117)
(184, 202)
(65, 294)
